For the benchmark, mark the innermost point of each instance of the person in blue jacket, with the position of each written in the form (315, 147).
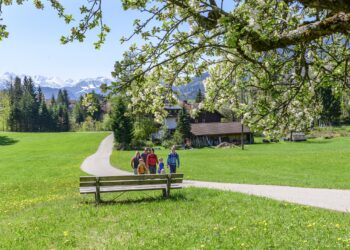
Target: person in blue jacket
(173, 160)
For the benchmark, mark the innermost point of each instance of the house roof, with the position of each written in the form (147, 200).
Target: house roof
(190, 106)
(217, 128)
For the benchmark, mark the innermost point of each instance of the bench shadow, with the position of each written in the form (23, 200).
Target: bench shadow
(174, 197)
(6, 141)
(319, 141)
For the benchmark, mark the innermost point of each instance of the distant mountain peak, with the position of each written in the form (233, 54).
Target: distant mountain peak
(51, 81)
(51, 85)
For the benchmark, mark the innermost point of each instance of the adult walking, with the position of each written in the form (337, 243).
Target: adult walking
(152, 161)
(173, 160)
(135, 162)
(145, 153)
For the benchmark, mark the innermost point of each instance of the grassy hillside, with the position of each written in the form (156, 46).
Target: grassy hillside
(40, 208)
(316, 163)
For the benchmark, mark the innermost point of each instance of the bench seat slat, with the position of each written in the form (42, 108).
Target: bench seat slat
(107, 189)
(131, 182)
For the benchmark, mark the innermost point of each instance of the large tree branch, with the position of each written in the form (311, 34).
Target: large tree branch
(336, 5)
(339, 23)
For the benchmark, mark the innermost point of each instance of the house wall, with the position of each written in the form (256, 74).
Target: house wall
(171, 122)
(202, 141)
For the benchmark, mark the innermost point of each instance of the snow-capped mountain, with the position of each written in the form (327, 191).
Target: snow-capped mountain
(189, 91)
(51, 85)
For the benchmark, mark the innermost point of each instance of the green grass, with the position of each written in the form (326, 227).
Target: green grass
(41, 208)
(315, 163)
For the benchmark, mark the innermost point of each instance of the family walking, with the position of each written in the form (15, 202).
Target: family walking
(146, 163)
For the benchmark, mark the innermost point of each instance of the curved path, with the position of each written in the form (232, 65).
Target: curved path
(99, 164)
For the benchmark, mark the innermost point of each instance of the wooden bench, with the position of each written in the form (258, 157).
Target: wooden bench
(125, 183)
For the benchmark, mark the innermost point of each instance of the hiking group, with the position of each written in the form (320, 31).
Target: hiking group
(147, 162)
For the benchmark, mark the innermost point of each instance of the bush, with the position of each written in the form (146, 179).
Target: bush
(140, 144)
(178, 138)
(107, 123)
(168, 143)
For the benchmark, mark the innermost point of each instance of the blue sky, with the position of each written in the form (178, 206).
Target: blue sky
(33, 47)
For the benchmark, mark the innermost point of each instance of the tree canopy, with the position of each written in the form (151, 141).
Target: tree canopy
(266, 59)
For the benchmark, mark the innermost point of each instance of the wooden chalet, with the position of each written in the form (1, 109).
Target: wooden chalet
(214, 133)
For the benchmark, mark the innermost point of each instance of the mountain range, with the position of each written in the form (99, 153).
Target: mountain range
(75, 88)
(51, 85)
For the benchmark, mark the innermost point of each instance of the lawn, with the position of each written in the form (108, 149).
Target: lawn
(40, 208)
(315, 163)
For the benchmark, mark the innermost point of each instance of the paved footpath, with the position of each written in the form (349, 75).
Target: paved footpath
(99, 164)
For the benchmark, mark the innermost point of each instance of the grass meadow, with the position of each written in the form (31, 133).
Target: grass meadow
(41, 208)
(323, 163)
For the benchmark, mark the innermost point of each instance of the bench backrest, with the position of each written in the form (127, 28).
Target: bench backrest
(130, 180)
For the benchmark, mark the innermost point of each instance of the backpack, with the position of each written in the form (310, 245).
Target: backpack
(152, 159)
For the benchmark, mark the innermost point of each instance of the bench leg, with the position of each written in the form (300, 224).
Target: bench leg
(168, 193)
(168, 186)
(97, 197)
(164, 193)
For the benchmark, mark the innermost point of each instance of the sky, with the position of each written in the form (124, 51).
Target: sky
(34, 48)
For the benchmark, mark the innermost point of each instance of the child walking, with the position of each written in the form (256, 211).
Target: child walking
(161, 169)
(142, 169)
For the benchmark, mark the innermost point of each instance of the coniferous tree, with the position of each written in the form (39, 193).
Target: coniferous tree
(4, 109)
(62, 112)
(184, 124)
(121, 123)
(64, 119)
(30, 106)
(53, 101)
(65, 98)
(60, 98)
(53, 110)
(78, 111)
(15, 111)
(199, 97)
(331, 106)
(45, 119)
(40, 96)
(26, 106)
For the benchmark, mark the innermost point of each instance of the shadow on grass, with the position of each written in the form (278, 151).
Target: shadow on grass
(174, 198)
(323, 141)
(5, 141)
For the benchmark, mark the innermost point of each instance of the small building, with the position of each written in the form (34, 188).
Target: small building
(171, 119)
(214, 133)
(296, 136)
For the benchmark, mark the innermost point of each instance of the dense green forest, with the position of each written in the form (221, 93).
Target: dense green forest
(24, 108)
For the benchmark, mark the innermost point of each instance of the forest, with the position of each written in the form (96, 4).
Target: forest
(24, 108)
